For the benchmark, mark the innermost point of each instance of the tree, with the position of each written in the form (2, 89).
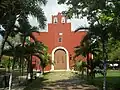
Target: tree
(113, 49)
(26, 30)
(88, 46)
(102, 15)
(23, 31)
(30, 49)
(44, 58)
(39, 50)
(6, 63)
(81, 66)
(11, 11)
(100, 12)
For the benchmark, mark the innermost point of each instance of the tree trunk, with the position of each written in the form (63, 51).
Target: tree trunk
(104, 64)
(28, 61)
(3, 43)
(14, 59)
(30, 68)
(8, 29)
(9, 66)
(88, 66)
(92, 67)
(42, 70)
(82, 73)
(22, 58)
(20, 65)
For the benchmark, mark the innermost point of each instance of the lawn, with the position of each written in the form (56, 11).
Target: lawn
(113, 80)
(59, 81)
(17, 78)
(63, 80)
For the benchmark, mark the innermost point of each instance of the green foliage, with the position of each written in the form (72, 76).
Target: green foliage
(12, 11)
(17, 51)
(113, 80)
(101, 14)
(39, 50)
(45, 59)
(113, 49)
(80, 65)
(104, 20)
(19, 7)
(6, 62)
(87, 46)
(24, 26)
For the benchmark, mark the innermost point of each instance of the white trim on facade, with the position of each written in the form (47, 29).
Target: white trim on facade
(53, 51)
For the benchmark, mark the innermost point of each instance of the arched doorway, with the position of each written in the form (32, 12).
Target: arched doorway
(60, 60)
(56, 52)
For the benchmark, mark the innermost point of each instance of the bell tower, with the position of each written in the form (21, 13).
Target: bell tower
(59, 18)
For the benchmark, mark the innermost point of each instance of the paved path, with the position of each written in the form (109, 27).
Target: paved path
(57, 81)
(64, 81)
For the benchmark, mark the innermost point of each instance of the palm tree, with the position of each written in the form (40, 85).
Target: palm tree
(44, 58)
(81, 66)
(88, 46)
(23, 25)
(34, 49)
(11, 11)
(26, 30)
(30, 49)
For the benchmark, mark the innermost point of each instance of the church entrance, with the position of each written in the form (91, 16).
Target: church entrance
(60, 60)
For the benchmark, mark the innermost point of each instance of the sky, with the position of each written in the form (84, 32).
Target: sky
(1, 28)
(52, 8)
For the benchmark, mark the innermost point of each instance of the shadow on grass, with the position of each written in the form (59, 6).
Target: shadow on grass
(75, 82)
(113, 83)
(72, 83)
(2, 71)
(35, 84)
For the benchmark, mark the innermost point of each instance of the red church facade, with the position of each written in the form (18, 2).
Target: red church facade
(61, 41)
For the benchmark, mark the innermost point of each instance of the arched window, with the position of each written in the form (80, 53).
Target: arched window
(55, 20)
(60, 39)
(63, 20)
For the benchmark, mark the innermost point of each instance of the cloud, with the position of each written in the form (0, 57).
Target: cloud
(75, 23)
(52, 8)
(1, 38)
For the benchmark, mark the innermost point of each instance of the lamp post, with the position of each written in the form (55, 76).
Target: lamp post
(104, 65)
(104, 46)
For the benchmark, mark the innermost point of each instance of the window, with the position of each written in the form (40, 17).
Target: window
(63, 20)
(60, 33)
(55, 20)
(60, 39)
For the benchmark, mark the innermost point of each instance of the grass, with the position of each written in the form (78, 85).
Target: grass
(17, 78)
(113, 80)
(53, 79)
(35, 84)
(59, 81)
(58, 75)
(48, 81)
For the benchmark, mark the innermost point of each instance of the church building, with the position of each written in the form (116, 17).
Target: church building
(61, 41)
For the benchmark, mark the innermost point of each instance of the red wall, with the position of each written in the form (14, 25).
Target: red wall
(69, 38)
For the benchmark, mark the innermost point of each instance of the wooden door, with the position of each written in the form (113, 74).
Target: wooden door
(60, 60)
